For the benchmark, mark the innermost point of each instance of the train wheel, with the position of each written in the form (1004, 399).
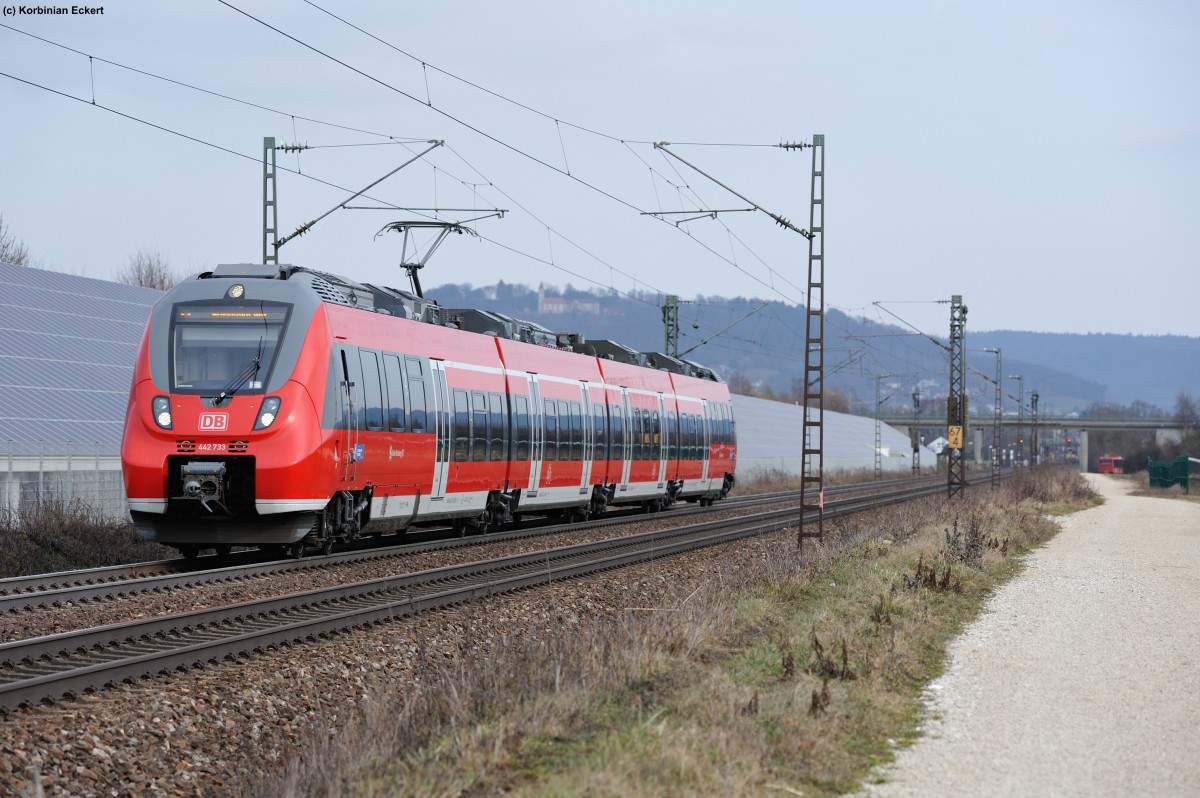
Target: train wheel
(327, 546)
(189, 551)
(223, 551)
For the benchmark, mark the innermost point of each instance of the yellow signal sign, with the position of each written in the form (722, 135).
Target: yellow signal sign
(956, 438)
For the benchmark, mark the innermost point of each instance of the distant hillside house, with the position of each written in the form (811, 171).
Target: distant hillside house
(560, 306)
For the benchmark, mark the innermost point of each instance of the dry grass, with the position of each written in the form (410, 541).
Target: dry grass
(57, 536)
(774, 480)
(1141, 482)
(768, 674)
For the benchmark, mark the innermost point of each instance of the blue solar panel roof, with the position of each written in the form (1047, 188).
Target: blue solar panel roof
(67, 347)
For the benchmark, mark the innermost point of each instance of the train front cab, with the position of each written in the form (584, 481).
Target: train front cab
(222, 441)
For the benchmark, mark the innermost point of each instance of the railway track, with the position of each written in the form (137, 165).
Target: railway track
(45, 591)
(71, 663)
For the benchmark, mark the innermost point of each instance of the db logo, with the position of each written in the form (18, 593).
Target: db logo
(214, 422)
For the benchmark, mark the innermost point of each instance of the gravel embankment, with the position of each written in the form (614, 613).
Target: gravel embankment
(85, 615)
(1082, 678)
(213, 732)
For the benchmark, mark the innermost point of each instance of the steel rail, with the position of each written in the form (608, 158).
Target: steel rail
(79, 580)
(67, 664)
(24, 594)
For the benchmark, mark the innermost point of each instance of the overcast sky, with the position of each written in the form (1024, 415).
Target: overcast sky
(1042, 159)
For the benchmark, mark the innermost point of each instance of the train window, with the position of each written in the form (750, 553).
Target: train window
(497, 434)
(564, 429)
(617, 420)
(417, 397)
(550, 431)
(672, 435)
(220, 347)
(684, 452)
(636, 428)
(461, 433)
(334, 414)
(395, 392)
(521, 427)
(685, 442)
(479, 426)
(351, 389)
(372, 409)
(682, 436)
(576, 431)
(599, 433)
(644, 433)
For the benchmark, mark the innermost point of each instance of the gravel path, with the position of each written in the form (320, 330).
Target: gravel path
(1082, 678)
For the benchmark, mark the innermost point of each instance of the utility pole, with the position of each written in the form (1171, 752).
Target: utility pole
(271, 240)
(915, 435)
(270, 209)
(670, 315)
(997, 412)
(1034, 450)
(878, 429)
(1020, 458)
(956, 402)
(812, 477)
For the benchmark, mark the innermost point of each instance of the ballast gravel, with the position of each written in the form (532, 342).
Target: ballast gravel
(1082, 677)
(219, 730)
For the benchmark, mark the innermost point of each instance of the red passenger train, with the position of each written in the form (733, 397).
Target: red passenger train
(284, 407)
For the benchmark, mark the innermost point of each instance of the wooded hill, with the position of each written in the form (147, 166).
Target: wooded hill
(763, 341)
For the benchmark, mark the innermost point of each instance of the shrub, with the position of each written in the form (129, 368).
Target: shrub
(59, 536)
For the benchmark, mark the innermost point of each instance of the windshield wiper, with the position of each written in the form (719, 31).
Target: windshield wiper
(244, 376)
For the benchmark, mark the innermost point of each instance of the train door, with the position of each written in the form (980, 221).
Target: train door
(626, 452)
(705, 437)
(441, 428)
(588, 437)
(660, 439)
(348, 454)
(536, 450)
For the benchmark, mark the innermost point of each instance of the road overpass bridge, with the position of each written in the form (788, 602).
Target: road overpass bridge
(979, 427)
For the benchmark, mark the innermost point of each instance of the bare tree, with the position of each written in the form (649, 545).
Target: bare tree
(149, 269)
(1187, 409)
(11, 250)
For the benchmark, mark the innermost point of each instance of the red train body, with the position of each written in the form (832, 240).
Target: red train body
(285, 407)
(1111, 464)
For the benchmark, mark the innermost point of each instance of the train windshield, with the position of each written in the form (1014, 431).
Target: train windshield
(225, 347)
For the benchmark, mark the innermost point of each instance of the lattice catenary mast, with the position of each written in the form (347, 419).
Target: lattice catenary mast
(812, 476)
(956, 402)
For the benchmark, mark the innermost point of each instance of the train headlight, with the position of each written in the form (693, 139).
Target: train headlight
(160, 408)
(268, 413)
